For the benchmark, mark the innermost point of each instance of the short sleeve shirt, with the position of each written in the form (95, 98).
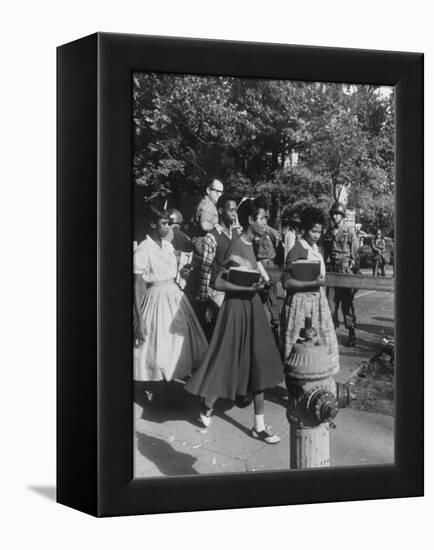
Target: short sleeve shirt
(206, 211)
(243, 249)
(341, 246)
(155, 263)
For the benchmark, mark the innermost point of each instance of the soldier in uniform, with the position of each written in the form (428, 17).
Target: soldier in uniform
(340, 252)
(180, 241)
(266, 247)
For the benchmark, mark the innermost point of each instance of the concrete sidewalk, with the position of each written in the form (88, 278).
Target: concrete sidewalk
(171, 441)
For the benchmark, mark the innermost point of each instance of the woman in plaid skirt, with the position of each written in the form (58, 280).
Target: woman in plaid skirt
(308, 298)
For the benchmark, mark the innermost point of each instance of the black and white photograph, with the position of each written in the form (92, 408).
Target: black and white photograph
(263, 265)
(123, 125)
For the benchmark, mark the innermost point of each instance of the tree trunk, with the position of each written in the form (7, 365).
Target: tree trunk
(276, 211)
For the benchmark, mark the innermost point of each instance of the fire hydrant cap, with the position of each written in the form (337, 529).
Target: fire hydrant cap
(308, 361)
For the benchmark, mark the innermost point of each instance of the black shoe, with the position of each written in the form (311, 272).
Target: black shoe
(335, 320)
(275, 331)
(205, 414)
(266, 435)
(351, 338)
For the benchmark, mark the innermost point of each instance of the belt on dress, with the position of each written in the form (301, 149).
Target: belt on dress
(161, 283)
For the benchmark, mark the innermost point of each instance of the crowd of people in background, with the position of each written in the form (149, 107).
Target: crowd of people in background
(227, 340)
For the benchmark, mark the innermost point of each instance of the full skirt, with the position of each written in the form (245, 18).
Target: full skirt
(175, 344)
(242, 357)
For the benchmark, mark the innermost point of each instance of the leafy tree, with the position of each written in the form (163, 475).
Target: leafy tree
(298, 143)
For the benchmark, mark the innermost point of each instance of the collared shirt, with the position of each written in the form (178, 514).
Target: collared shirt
(266, 244)
(290, 240)
(209, 248)
(341, 247)
(302, 250)
(206, 212)
(155, 263)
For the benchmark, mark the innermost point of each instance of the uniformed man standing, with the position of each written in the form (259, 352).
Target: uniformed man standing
(340, 252)
(180, 241)
(266, 248)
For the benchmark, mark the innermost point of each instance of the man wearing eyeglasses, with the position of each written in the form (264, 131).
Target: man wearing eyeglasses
(205, 219)
(206, 212)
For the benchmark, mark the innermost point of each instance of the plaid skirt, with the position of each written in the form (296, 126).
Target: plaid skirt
(314, 305)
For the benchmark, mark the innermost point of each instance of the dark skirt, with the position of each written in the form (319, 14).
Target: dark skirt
(242, 356)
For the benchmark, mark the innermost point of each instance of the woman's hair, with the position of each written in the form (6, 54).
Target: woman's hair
(250, 207)
(310, 217)
(154, 215)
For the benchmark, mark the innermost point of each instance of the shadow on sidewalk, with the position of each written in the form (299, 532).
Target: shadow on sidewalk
(164, 456)
(363, 348)
(277, 395)
(380, 330)
(165, 401)
(385, 319)
(171, 402)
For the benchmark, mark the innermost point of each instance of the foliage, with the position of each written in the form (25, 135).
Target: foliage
(297, 143)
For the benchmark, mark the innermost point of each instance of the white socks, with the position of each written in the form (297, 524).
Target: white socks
(259, 422)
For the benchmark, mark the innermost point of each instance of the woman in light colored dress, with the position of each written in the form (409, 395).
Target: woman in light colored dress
(170, 340)
(307, 298)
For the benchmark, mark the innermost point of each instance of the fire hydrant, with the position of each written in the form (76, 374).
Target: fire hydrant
(312, 404)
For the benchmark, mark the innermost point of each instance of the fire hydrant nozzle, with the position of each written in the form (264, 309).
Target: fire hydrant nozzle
(322, 404)
(312, 401)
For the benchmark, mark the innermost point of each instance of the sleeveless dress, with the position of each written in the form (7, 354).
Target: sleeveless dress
(314, 304)
(242, 357)
(175, 343)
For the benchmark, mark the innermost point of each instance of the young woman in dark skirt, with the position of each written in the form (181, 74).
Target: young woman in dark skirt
(242, 357)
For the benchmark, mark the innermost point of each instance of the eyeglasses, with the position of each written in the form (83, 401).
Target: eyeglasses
(216, 190)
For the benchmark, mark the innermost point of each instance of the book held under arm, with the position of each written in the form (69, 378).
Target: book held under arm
(305, 270)
(185, 258)
(242, 276)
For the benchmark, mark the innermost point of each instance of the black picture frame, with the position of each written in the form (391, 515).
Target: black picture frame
(94, 381)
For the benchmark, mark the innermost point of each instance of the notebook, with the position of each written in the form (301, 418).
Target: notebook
(184, 259)
(305, 270)
(242, 276)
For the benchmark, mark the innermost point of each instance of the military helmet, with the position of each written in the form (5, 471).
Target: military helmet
(174, 216)
(338, 208)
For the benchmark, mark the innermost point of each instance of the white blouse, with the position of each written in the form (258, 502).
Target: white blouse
(155, 263)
